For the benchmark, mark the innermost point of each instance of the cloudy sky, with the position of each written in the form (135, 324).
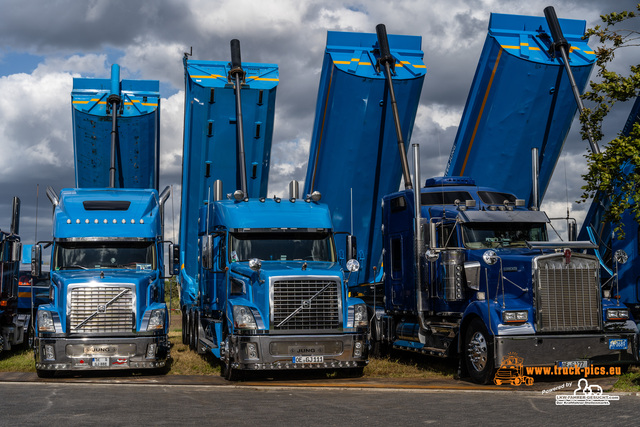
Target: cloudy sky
(44, 44)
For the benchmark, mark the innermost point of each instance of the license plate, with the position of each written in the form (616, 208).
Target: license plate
(308, 359)
(618, 344)
(100, 362)
(573, 363)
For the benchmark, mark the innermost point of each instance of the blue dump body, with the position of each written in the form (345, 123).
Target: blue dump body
(107, 254)
(262, 286)
(210, 144)
(520, 99)
(138, 152)
(354, 142)
(594, 228)
(490, 284)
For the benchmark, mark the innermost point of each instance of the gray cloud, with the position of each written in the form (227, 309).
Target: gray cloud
(148, 39)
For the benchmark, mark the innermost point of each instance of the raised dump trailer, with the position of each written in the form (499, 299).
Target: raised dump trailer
(107, 266)
(210, 151)
(618, 257)
(355, 133)
(520, 99)
(261, 284)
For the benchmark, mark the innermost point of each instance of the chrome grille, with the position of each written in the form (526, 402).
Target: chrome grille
(317, 302)
(103, 309)
(567, 295)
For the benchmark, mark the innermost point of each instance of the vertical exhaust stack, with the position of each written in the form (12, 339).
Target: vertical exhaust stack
(236, 75)
(388, 62)
(535, 180)
(15, 217)
(114, 101)
(217, 190)
(561, 45)
(419, 243)
(294, 190)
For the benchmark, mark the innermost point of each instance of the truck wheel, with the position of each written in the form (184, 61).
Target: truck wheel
(45, 374)
(185, 323)
(196, 332)
(478, 352)
(192, 341)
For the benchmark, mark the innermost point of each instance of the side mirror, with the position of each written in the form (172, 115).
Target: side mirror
(206, 251)
(174, 259)
(352, 247)
(16, 251)
(36, 260)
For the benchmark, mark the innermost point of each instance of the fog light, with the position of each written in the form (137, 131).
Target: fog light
(357, 349)
(151, 351)
(49, 352)
(252, 351)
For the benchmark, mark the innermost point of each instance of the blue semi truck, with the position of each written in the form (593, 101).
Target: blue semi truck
(469, 268)
(14, 320)
(107, 307)
(263, 286)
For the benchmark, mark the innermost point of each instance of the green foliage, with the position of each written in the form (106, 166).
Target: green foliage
(615, 171)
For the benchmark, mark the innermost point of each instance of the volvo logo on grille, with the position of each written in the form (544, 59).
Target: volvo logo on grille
(101, 308)
(306, 304)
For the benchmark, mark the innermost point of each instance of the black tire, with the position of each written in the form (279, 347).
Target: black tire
(196, 332)
(185, 323)
(478, 352)
(45, 374)
(192, 341)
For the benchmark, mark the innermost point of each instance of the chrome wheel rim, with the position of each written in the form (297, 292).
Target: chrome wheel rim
(478, 351)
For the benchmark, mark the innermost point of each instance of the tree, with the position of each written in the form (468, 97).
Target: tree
(615, 171)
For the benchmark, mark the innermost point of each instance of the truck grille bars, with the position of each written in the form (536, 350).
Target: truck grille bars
(567, 294)
(316, 304)
(104, 309)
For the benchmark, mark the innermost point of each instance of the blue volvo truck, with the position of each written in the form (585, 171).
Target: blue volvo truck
(263, 286)
(107, 255)
(14, 321)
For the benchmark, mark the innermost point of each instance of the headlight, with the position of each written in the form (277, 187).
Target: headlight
(243, 318)
(360, 318)
(156, 320)
(515, 316)
(45, 322)
(617, 314)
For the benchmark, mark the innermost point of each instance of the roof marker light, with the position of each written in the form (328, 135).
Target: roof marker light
(133, 221)
(141, 221)
(95, 221)
(86, 221)
(105, 220)
(115, 221)
(78, 221)
(68, 221)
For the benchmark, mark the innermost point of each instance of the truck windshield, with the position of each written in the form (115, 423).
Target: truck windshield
(477, 235)
(282, 246)
(87, 255)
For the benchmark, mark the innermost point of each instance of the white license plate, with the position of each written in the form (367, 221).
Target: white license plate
(100, 362)
(573, 363)
(308, 359)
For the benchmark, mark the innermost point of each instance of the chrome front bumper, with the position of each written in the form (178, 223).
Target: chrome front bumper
(147, 352)
(260, 352)
(549, 350)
